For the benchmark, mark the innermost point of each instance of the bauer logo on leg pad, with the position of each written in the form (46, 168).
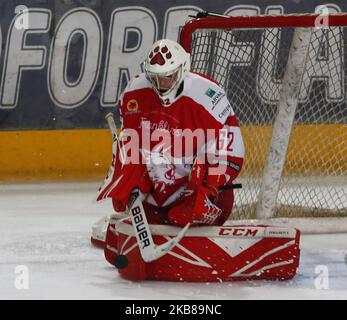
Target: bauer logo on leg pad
(140, 227)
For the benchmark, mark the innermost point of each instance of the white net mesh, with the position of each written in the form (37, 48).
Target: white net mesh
(250, 64)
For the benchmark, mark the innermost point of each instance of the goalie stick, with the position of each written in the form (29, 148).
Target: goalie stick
(149, 251)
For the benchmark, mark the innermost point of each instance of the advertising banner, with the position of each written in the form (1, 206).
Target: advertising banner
(63, 63)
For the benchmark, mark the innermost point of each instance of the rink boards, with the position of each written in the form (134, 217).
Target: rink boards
(86, 153)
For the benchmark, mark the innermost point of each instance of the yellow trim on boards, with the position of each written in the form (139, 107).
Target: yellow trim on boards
(55, 154)
(87, 154)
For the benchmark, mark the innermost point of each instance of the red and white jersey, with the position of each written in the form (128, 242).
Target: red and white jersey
(201, 109)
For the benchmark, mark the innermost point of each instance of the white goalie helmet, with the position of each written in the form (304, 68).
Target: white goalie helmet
(166, 66)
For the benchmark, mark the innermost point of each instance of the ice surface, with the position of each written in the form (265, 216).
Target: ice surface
(46, 227)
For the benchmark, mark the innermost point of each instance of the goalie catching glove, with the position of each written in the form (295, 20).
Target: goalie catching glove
(198, 203)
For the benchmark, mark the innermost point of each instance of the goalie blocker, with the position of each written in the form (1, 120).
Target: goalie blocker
(209, 254)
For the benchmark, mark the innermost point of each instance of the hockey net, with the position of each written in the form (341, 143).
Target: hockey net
(248, 57)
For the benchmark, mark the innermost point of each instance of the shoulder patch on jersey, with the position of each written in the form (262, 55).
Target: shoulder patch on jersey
(211, 96)
(210, 92)
(132, 105)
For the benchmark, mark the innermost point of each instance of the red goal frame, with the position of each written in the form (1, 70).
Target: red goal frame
(252, 22)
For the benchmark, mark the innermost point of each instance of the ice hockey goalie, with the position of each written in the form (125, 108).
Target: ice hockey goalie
(180, 145)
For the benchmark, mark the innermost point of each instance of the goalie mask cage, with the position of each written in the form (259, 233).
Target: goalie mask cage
(286, 81)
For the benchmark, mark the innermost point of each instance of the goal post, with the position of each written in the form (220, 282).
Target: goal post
(288, 101)
(286, 81)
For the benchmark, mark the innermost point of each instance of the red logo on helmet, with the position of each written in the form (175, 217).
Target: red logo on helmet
(157, 56)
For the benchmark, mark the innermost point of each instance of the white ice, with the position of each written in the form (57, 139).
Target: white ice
(46, 228)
